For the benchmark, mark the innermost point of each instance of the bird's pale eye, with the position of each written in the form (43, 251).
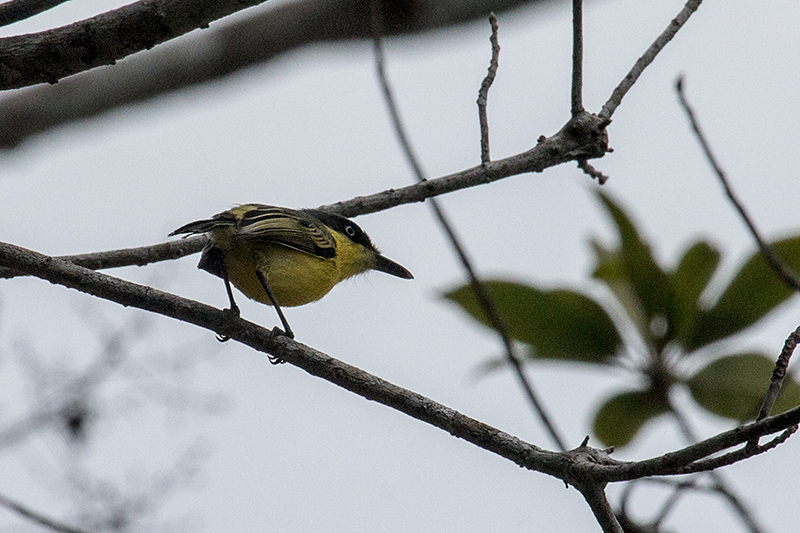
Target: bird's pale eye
(350, 231)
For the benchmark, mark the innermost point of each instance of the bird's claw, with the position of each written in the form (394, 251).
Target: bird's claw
(276, 331)
(228, 316)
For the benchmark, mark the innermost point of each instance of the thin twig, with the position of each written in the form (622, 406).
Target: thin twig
(483, 93)
(591, 171)
(745, 452)
(484, 300)
(778, 373)
(721, 483)
(778, 266)
(595, 496)
(668, 506)
(648, 57)
(577, 57)
(37, 517)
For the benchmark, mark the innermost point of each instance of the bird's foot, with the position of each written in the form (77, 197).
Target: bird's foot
(228, 317)
(276, 331)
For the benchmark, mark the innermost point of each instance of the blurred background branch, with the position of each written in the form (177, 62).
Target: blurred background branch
(207, 56)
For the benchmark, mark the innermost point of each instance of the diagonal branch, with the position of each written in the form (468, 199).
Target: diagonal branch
(783, 272)
(484, 300)
(581, 467)
(778, 374)
(37, 517)
(312, 361)
(648, 57)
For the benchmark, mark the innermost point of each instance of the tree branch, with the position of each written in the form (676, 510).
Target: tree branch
(580, 467)
(51, 55)
(15, 10)
(595, 496)
(312, 361)
(681, 461)
(583, 136)
(129, 256)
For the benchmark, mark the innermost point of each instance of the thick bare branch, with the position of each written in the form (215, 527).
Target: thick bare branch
(314, 362)
(48, 56)
(582, 467)
(15, 10)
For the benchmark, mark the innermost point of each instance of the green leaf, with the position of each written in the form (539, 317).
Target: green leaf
(734, 386)
(690, 279)
(650, 283)
(754, 292)
(558, 324)
(622, 416)
(610, 270)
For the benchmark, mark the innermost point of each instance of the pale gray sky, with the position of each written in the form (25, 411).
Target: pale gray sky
(293, 453)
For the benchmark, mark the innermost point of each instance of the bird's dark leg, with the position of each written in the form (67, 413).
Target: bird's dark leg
(233, 312)
(288, 330)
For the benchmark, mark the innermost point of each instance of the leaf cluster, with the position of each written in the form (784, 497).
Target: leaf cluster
(665, 310)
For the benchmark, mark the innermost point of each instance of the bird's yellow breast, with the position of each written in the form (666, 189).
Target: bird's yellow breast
(295, 277)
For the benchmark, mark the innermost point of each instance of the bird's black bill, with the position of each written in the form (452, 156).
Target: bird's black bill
(390, 267)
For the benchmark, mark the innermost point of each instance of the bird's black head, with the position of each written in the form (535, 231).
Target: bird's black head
(345, 226)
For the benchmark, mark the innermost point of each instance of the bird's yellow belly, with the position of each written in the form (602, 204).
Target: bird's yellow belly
(295, 278)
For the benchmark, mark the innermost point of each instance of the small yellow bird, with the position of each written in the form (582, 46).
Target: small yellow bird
(285, 257)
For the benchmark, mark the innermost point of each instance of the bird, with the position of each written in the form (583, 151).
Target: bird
(285, 257)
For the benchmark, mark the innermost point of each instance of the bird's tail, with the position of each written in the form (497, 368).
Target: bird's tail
(203, 226)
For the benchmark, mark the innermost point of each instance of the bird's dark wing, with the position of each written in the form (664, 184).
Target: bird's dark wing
(288, 227)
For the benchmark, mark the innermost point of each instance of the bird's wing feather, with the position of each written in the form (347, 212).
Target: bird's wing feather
(287, 227)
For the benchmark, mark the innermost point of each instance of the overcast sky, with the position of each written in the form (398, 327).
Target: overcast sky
(278, 450)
